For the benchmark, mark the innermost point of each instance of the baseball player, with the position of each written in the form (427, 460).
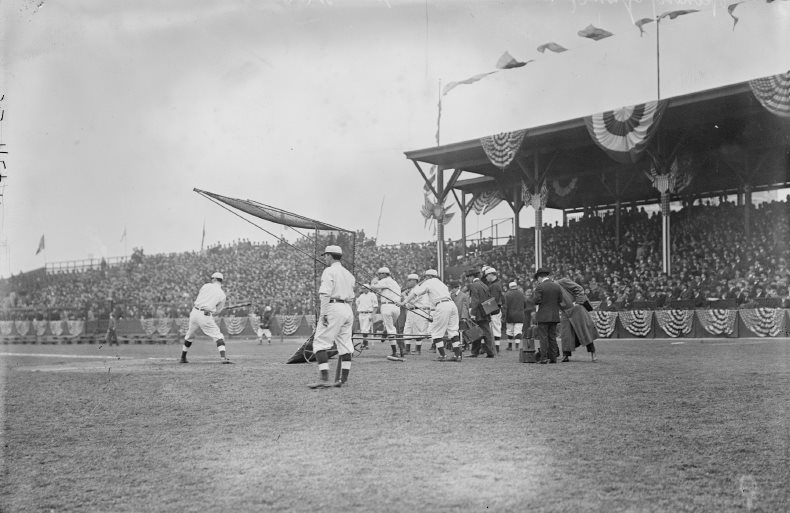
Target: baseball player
(266, 322)
(445, 315)
(367, 302)
(210, 301)
(416, 324)
(495, 287)
(390, 293)
(515, 316)
(336, 320)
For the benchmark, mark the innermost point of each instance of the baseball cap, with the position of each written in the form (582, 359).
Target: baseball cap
(489, 270)
(383, 270)
(217, 276)
(412, 276)
(431, 272)
(513, 285)
(335, 250)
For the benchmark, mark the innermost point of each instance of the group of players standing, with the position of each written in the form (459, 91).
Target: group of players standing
(431, 310)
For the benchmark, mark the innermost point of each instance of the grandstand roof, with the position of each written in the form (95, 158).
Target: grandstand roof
(725, 134)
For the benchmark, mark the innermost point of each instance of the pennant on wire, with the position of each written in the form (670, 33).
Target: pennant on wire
(674, 14)
(41, 245)
(502, 148)
(484, 202)
(471, 80)
(625, 132)
(554, 47)
(641, 23)
(773, 93)
(507, 61)
(731, 11)
(431, 180)
(594, 33)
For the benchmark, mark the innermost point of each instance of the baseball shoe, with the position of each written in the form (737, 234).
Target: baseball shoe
(440, 359)
(338, 384)
(454, 359)
(565, 359)
(183, 359)
(320, 384)
(225, 360)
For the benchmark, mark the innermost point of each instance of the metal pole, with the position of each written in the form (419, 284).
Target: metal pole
(463, 224)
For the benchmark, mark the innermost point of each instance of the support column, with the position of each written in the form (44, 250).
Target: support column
(440, 225)
(665, 235)
(564, 218)
(463, 224)
(747, 210)
(617, 208)
(538, 216)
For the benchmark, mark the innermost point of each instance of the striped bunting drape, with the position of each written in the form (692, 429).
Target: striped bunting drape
(484, 202)
(604, 322)
(718, 321)
(675, 322)
(536, 201)
(75, 327)
(40, 327)
(773, 93)
(764, 322)
(56, 328)
(637, 322)
(289, 323)
(235, 325)
(502, 148)
(625, 132)
(6, 327)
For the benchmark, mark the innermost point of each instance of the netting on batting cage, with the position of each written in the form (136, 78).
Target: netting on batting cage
(315, 237)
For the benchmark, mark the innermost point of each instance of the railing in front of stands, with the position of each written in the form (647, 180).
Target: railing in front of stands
(85, 264)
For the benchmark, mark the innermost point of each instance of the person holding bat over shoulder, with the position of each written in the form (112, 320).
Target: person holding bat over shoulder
(209, 302)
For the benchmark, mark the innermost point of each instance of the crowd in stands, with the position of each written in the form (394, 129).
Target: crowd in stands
(712, 258)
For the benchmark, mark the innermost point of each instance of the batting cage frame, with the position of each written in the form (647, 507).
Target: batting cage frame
(323, 234)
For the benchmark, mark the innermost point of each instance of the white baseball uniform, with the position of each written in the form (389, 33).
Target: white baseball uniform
(367, 302)
(390, 295)
(337, 293)
(210, 300)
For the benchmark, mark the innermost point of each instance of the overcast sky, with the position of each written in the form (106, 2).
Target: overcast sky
(115, 110)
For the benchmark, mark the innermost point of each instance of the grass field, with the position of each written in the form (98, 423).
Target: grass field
(659, 426)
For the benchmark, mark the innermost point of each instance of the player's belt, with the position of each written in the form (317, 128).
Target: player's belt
(365, 311)
(336, 300)
(442, 301)
(387, 302)
(206, 312)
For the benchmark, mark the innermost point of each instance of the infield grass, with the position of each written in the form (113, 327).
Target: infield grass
(654, 426)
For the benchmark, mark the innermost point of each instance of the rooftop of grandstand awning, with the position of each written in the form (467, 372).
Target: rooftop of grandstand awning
(718, 130)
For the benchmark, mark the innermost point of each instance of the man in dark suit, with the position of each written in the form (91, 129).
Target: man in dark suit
(548, 297)
(478, 292)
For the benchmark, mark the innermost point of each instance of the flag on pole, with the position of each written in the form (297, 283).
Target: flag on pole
(203, 237)
(123, 237)
(40, 245)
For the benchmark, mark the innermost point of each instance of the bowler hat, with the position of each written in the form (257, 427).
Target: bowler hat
(542, 272)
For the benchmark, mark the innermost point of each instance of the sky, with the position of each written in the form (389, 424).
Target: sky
(114, 110)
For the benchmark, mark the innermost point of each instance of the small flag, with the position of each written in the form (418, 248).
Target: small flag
(594, 33)
(471, 80)
(507, 61)
(640, 23)
(123, 237)
(730, 11)
(40, 245)
(554, 47)
(674, 14)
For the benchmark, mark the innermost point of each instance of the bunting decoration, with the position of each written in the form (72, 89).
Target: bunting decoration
(552, 46)
(773, 93)
(289, 323)
(163, 326)
(235, 325)
(604, 322)
(436, 213)
(6, 327)
(564, 191)
(75, 327)
(149, 326)
(56, 328)
(40, 327)
(764, 322)
(672, 181)
(182, 324)
(507, 61)
(426, 188)
(502, 148)
(536, 201)
(594, 33)
(669, 14)
(675, 323)
(718, 321)
(625, 132)
(484, 202)
(22, 327)
(637, 322)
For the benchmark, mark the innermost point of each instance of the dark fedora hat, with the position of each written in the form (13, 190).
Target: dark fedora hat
(473, 272)
(542, 272)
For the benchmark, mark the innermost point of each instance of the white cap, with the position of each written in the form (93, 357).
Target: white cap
(513, 285)
(268, 309)
(431, 272)
(489, 270)
(484, 269)
(335, 250)
(217, 276)
(383, 270)
(412, 276)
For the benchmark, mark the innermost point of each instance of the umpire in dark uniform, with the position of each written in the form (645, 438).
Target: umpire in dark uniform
(478, 292)
(547, 297)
